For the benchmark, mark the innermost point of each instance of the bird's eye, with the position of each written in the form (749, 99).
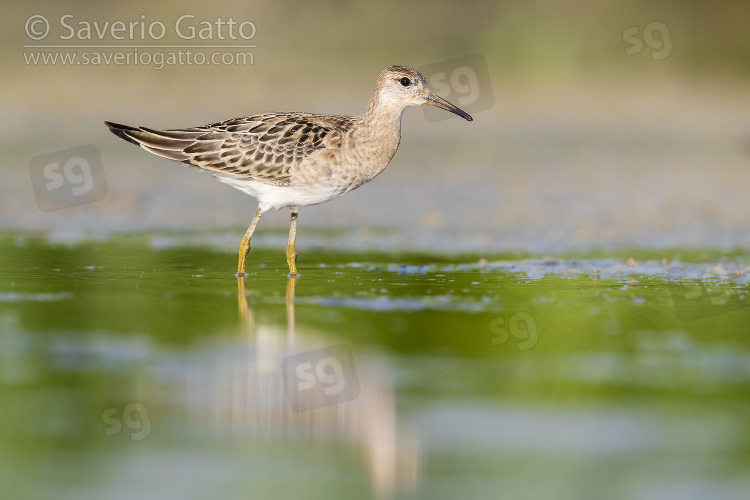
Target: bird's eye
(405, 82)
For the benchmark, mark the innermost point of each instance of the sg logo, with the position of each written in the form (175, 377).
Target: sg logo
(328, 372)
(320, 378)
(520, 326)
(464, 82)
(68, 178)
(661, 45)
(134, 416)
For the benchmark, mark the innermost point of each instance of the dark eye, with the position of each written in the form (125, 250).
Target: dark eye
(405, 81)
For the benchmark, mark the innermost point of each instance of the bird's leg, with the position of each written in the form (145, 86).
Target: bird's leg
(291, 255)
(291, 285)
(245, 243)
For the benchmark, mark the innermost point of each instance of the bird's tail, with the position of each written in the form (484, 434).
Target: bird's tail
(166, 143)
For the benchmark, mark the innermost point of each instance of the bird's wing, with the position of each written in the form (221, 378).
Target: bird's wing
(262, 147)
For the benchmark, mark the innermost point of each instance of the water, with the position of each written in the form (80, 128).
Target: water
(130, 368)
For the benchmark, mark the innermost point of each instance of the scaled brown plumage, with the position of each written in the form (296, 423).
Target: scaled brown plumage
(261, 147)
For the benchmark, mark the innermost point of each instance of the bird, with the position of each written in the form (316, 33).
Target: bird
(294, 159)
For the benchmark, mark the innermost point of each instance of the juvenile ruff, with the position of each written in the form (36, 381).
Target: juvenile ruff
(291, 160)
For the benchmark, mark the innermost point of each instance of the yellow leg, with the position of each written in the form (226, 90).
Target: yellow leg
(245, 243)
(291, 255)
(291, 284)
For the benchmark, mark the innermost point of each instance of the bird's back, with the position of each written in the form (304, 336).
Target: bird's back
(262, 147)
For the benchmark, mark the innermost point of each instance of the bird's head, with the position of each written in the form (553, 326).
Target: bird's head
(401, 86)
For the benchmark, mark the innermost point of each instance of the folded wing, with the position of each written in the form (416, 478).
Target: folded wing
(262, 147)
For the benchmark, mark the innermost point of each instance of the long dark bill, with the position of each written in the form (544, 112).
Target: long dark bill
(439, 102)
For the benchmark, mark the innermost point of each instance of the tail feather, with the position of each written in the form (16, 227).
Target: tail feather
(169, 144)
(120, 131)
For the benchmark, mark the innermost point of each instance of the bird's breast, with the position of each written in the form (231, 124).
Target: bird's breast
(368, 154)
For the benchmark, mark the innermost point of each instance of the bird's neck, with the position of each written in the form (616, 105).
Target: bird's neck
(382, 120)
(374, 140)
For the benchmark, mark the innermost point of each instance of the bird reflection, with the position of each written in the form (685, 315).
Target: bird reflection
(291, 288)
(246, 397)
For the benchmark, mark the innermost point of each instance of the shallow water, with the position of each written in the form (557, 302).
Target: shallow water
(131, 368)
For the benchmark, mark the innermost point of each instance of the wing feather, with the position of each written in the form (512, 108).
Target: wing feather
(262, 147)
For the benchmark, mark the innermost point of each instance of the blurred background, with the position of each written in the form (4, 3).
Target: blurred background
(547, 302)
(599, 125)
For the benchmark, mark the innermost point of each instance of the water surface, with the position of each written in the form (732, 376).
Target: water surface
(133, 368)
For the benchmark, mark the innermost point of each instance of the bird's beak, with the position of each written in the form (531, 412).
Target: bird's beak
(439, 102)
